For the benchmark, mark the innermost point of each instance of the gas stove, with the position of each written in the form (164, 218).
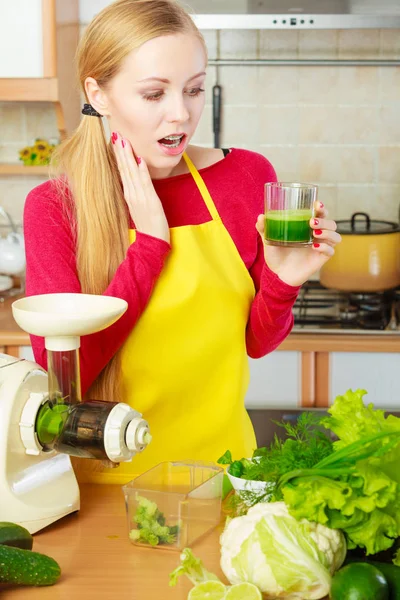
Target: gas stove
(322, 310)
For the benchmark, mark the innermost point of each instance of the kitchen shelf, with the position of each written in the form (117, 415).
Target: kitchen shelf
(16, 169)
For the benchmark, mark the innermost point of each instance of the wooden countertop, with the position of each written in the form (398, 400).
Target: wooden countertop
(98, 562)
(12, 335)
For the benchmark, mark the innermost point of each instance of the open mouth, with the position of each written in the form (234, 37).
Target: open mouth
(172, 141)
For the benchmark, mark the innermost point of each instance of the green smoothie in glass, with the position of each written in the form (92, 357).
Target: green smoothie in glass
(288, 226)
(289, 207)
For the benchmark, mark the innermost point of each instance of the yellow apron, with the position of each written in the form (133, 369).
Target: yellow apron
(184, 366)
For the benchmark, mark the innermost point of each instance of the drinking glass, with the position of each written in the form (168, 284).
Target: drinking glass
(288, 210)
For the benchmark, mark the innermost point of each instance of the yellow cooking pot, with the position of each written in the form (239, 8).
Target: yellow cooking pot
(367, 259)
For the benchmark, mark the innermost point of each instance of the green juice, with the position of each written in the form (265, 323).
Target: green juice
(288, 226)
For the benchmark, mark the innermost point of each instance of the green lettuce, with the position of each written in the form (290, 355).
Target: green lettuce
(357, 487)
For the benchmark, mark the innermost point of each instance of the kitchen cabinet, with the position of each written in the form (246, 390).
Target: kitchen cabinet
(333, 363)
(275, 380)
(39, 39)
(375, 372)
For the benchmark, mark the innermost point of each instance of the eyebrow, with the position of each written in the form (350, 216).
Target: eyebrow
(167, 80)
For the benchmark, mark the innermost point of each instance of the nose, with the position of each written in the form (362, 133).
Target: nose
(177, 110)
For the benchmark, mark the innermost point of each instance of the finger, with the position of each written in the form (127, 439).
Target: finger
(317, 223)
(331, 237)
(323, 248)
(260, 225)
(145, 175)
(118, 153)
(320, 210)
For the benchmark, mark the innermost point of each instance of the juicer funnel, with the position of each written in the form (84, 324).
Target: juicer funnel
(62, 318)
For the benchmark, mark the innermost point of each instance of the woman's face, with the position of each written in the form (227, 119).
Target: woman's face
(159, 93)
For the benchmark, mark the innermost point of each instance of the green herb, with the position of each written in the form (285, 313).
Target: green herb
(304, 446)
(357, 487)
(151, 527)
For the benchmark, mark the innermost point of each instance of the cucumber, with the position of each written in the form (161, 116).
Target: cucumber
(12, 534)
(24, 567)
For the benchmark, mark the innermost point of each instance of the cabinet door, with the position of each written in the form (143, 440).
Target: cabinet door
(275, 381)
(377, 372)
(21, 39)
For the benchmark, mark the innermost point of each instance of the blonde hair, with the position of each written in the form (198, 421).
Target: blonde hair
(87, 159)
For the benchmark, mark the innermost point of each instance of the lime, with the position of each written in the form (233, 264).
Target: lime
(359, 581)
(207, 590)
(243, 591)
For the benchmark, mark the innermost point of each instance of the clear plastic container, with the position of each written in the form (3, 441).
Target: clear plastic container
(173, 504)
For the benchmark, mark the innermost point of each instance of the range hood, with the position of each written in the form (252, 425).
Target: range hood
(295, 14)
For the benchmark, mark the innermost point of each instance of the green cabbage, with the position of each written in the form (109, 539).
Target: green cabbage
(283, 557)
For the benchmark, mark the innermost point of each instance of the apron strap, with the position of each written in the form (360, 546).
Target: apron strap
(205, 194)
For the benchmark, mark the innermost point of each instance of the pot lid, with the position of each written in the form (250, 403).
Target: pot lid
(361, 224)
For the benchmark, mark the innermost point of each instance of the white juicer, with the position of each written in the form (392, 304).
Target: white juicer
(42, 417)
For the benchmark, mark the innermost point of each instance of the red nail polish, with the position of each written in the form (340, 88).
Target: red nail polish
(321, 205)
(316, 222)
(316, 245)
(317, 231)
(114, 136)
(123, 143)
(138, 160)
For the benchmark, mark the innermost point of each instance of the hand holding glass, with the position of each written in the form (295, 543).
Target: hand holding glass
(288, 210)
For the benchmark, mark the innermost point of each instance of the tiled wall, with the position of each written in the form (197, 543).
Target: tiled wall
(335, 126)
(338, 126)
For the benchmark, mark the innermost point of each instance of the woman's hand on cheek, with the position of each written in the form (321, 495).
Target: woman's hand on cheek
(144, 205)
(296, 265)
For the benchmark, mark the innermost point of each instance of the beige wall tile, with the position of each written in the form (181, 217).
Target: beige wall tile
(13, 193)
(390, 43)
(284, 159)
(328, 195)
(358, 85)
(12, 123)
(40, 121)
(279, 85)
(210, 81)
(389, 85)
(204, 131)
(319, 164)
(389, 125)
(239, 85)
(210, 38)
(357, 165)
(240, 126)
(338, 85)
(337, 125)
(318, 44)
(319, 85)
(278, 44)
(279, 124)
(389, 164)
(359, 43)
(238, 43)
(337, 164)
(388, 202)
(352, 199)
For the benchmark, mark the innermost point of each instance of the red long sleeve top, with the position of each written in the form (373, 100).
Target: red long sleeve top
(236, 184)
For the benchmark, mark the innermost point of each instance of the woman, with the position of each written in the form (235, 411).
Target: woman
(175, 230)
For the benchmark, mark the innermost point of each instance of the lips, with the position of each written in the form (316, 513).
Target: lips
(172, 140)
(173, 144)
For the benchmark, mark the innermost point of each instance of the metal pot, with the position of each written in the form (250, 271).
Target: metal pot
(367, 259)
